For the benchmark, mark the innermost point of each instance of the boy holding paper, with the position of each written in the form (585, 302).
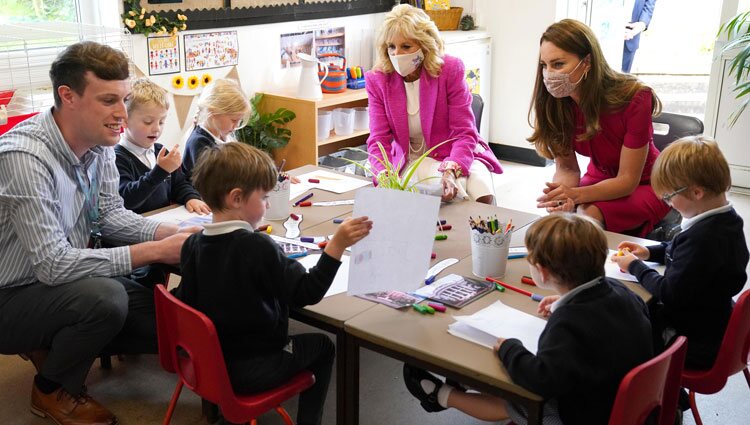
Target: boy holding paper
(244, 283)
(705, 262)
(597, 331)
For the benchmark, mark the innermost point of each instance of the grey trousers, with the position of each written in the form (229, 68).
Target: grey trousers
(76, 322)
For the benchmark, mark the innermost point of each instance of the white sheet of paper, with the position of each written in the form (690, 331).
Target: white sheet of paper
(181, 217)
(297, 189)
(403, 232)
(340, 282)
(499, 320)
(611, 269)
(331, 182)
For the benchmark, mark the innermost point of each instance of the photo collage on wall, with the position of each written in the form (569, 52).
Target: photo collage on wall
(327, 44)
(163, 55)
(294, 43)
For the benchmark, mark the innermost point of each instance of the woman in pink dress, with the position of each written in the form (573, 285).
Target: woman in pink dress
(581, 105)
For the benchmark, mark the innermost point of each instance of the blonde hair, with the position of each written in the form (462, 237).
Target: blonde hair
(691, 161)
(571, 246)
(222, 96)
(602, 89)
(410, 22)
(228, 166)
(143, 92)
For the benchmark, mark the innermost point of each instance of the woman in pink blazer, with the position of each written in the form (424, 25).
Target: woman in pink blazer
(418, 98)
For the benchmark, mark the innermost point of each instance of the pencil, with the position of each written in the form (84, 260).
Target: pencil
(535, 297)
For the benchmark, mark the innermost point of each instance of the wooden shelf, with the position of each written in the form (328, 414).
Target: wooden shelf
(318, 37)
(336, 138)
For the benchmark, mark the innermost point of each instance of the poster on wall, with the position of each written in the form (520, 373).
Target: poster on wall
(211, 50)
(472, 79)
(163, 55)
(330, 40)
(293, 44)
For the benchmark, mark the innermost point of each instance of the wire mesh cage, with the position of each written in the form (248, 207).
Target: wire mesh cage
(28, 49)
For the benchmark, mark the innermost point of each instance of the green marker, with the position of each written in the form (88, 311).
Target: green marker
(500, 287)
(441, 237)
(420, 308)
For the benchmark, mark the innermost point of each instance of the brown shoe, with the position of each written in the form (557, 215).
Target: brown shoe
(66, 409)
(37, 358)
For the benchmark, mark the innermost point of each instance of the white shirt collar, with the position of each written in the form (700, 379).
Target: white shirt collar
(145, 155)
(689, 222)
(213, 229)
(216, 139)
(564, 299)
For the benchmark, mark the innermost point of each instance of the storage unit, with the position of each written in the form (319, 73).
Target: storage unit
(303, 147)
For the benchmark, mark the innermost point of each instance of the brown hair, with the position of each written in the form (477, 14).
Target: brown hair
(72, 64)
(410, 22)
(691, 161)
(571, 246)
(232, 165)
(602, 89)
(143, 92)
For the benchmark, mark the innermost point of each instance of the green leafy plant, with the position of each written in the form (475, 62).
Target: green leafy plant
(467, 23)
(390, 178)
(737, 31)
(266, 131)
(139, 21)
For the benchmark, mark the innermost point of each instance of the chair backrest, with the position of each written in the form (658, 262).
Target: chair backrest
(477, 106)
(649, 387)
(669, 127)
(735, 348)
(189, 346)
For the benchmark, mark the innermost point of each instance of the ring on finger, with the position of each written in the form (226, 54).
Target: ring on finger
(559, 202)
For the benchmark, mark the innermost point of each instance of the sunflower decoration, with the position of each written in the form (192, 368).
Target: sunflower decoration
(206, 79)
(193, 82)
(178, 81)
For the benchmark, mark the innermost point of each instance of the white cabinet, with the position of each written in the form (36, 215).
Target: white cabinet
(474, 48)
(734, 141)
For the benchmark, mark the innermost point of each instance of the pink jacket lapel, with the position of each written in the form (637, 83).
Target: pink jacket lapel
(427, 98)
(396, 105)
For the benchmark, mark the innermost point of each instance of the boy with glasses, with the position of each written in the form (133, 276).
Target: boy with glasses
(705, 263)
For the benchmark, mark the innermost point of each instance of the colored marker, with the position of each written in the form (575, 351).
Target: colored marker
(297, 254)
(303, 199)
(437, 306)
(307, 239)
(429, 280)
(499, 288)
(528, 280)
(441, 237)
(445, 226)
(313, 180)
(269, 229)
(338, 220)
(305, 204)
(294, 216)
(441, 222)
(420, 308)
(322, 245)
(535, 297)
(514, 256)
(433, 256)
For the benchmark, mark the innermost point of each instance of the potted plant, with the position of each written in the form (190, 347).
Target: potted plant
(737, 31)
(266, 131)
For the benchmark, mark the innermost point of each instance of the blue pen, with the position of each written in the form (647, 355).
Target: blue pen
(297, 254)
(429, 280)
(303, 199)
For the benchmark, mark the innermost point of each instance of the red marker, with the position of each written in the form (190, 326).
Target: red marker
(433, 256)
(294, 217)
(305, 204)
(528, 280)
(323, 244)
(313, 180)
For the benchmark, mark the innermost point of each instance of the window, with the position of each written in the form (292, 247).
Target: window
(15, 11)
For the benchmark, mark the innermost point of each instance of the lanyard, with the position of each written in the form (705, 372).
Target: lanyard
(90, 189)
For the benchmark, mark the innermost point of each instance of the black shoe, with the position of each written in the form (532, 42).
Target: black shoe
(683, 402)
(413, 377)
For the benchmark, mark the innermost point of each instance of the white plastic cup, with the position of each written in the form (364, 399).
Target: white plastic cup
(361, 119)
(324, 124)
(278, 199)
(343, 121)
(489, 253)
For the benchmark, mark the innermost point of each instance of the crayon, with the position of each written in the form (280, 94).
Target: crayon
(441, 222)
(437, 307)
(307, 239)
(433, 256)
(445, 226)
(528, 280)
(420, 308)
(322, 245)
(294, 217)
(269, 229)
(303, 199)
(263, 228)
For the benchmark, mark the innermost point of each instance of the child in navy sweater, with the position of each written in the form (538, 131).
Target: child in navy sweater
(244, 283)
(150, 175)
(705, 262)
(597, 331)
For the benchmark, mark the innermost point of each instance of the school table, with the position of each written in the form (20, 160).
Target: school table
(423, 340)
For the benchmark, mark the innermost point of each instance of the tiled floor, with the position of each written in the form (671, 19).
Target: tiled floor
(138, 391)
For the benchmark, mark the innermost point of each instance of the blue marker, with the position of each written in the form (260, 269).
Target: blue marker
(338, 220)
(297, 254)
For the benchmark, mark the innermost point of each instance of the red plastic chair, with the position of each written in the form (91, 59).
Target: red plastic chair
(189, 346)
(732, 357)
(650, 386)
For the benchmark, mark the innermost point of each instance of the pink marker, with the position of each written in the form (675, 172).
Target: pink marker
(437, 306)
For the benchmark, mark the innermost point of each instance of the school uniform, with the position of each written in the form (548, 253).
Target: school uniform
(595, 335)
(200, 139)
(144, 186)
(705, 268)
(248, 298)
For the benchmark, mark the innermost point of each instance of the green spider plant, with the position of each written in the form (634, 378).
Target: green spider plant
(737, 31)
(391, 178)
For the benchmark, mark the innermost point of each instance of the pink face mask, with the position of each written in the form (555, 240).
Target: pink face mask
(558, 83)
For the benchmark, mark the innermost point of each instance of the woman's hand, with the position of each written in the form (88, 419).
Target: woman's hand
(557, 197)
(450, 187)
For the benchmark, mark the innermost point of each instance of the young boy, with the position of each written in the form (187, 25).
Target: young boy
(244, 283)
(597, 331)
(150, 176)
(705, 263)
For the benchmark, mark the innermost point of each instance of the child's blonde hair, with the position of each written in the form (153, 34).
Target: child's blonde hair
(143, 92)
(228, 166)
(410, 22)
(222, 96)
(691, 161)
(571, 246)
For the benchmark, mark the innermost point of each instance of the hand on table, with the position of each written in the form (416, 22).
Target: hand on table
(197, 206)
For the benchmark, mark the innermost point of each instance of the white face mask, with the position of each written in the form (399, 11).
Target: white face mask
(407, 63)
(558, 83)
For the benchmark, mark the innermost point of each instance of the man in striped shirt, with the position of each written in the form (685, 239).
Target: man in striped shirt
(61, 300)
